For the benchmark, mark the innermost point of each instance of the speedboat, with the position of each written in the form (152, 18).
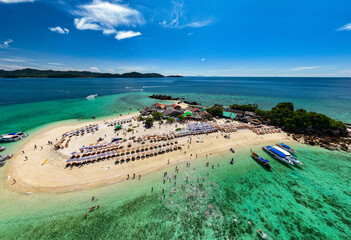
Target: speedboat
(277, 155)
(12, 137)
(260, 160)
(288, 155)
(286, 148)
(2, 149)
(5, 157)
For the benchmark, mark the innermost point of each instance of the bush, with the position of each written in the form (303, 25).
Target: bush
(245, 107)
(215, 111)
(140, 118)
(181, 117)
(149, 122)
(157, 115)
(170, 120)
(178, 129)
(130, 130)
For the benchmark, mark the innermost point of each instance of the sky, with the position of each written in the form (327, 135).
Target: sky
(191, 38)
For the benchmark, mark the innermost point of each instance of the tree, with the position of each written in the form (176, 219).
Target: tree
(181, 117)
(215, 111)
(244, 107)
(170, 120)
(149, 122)
(157, 115)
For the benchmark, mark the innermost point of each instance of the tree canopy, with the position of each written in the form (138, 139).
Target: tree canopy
(215, 111)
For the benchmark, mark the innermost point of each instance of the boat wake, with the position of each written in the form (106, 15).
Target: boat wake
(91, 97)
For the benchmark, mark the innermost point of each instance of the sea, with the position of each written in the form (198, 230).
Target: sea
(308, 202)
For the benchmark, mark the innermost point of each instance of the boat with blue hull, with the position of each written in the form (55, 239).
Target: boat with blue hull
(286, 148)
(12, 137)
(277, 154)
(289, 156)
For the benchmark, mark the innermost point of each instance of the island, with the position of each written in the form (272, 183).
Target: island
(36, 73)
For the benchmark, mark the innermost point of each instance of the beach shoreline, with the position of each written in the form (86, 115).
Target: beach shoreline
(52, 177)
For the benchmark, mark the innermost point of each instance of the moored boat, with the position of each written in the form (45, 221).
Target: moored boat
(286, 148)
(5, 157)
(12, 137)
(232, 150)
(260, 160)
(2, 149)
(232, 161)
(288, 155)
(277, 155)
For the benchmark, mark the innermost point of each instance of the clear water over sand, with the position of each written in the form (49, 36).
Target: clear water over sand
(311, 202)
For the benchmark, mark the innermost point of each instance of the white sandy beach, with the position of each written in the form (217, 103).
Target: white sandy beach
(31, 176)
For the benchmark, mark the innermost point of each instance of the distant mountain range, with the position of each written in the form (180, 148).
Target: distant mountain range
(35, 73)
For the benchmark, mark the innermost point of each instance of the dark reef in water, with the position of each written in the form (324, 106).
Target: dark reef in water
(166, 97)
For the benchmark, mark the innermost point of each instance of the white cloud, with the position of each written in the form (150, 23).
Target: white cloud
(15, 1)
(178, 20)
(106, 16)
(56, 64)
(15, 59)
(6, 44)
(95, 69)
(203, 59)
(126, 34)
(59, 30)
(346, 27)
(303, 68)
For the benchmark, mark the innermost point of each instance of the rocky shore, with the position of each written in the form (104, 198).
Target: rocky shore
(327, 142)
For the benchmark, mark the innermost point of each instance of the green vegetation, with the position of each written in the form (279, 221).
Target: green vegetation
(130, 130)
(149, 122)
(140, 118)
(170, 120)
(245, 107)
(29, 72)
(157, 115)
(178, 129)
(284, 115)
(215, 111)
(181, 117)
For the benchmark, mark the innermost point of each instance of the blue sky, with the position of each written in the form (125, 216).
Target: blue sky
(195, 37)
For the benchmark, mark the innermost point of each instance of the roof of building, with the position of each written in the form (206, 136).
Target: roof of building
(229, 115)
(187, 113)
(161, 105)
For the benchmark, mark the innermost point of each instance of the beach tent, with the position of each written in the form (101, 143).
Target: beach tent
(118, 127)
(188, 114)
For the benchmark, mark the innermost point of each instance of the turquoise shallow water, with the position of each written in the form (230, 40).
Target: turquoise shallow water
(311, 202)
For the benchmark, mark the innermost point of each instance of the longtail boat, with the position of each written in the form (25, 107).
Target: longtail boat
(260, 160)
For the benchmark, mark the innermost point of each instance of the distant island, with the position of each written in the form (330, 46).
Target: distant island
(36, 73)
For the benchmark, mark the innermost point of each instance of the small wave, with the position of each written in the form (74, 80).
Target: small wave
(154, 86)
(135, 89)
(128, 87)
(28, 193)
(91, 97)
